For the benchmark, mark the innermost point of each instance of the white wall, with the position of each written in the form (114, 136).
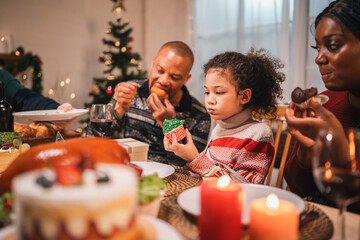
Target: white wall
(67, 35)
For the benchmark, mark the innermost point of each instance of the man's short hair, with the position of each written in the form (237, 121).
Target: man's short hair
(180, 48)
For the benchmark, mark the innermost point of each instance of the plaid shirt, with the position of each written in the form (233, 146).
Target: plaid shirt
(138, 123)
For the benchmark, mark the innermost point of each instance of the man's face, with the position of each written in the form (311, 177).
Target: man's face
(169, 71)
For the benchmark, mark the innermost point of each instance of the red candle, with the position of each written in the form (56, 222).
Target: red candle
(221, 204)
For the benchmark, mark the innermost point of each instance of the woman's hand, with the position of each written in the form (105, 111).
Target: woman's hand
(305, 128)
(187, 151)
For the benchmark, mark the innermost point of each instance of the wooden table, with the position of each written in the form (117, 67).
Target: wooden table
(186, 224)
(352, 222)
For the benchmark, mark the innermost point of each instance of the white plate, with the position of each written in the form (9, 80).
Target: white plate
(189, 200)
(164, 231)
(50, 115)
(149, 168)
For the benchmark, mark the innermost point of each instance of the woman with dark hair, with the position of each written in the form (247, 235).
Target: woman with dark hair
(337, 36)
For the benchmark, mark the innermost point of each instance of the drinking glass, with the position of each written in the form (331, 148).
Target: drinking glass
(336, 169)
(101, 117)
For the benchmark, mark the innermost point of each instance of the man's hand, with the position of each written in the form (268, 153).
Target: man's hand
(187, 151)
(161, 110)
(124, 94)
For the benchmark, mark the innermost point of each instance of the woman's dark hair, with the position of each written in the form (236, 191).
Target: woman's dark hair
(344, 12)
(256, 70)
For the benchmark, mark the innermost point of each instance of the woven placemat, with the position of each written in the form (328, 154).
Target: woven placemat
(186, 224)
(319, 228)
(171, 212)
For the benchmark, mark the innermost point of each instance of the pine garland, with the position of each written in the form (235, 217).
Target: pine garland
(29, 60)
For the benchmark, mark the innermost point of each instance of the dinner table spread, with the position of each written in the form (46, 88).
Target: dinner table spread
(320, 221)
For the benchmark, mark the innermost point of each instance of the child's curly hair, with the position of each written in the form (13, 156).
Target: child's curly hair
(258, 71)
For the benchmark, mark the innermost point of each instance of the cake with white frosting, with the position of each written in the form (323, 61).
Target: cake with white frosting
(102, 206)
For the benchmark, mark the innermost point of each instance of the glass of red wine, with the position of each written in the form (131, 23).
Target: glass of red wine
(101, 118)
(336, 169)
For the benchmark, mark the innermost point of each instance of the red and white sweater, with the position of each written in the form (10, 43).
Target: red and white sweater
(240, 146)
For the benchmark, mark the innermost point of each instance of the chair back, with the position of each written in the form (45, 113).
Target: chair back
(272, 120)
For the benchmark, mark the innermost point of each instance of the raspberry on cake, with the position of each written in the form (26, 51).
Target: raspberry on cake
(174, 126)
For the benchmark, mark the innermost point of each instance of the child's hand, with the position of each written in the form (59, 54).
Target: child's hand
(187, 151)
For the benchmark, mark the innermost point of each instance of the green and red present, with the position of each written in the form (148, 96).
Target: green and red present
(174, 126)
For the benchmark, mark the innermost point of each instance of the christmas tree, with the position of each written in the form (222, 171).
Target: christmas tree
(123, 64)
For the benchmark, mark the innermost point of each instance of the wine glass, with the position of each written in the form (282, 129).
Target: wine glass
(336, 169)
(101, 117)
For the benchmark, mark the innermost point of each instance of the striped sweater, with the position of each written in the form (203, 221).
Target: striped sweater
(240, 147)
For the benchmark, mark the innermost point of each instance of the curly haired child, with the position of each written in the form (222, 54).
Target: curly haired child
(236, 86)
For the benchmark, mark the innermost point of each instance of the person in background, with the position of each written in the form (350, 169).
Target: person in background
(236, 86)
(140, 113)
(337, 39)
(24, 99)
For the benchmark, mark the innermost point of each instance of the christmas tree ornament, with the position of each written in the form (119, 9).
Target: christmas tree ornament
(111, 77)
(130, 39)
(101, 59)
(109, 90)
(95, 89)
(128, 52)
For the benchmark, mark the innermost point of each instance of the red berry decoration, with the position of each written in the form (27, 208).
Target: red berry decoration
(7, 204)
(130, 39)
(101, 59)
(68, 174)
(128, 52)
(109, 90)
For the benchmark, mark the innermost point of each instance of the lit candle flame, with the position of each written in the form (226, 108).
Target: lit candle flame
(352, 150)
(272, 201)
(328, 172)
(223, 181)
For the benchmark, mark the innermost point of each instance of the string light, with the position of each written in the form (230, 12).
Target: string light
(133, 60)
(72, 95)
(117, 43)
(51, 91)
(17, 53)
(123, 49)
(67, 80)
(108, 31)
(24, 76)
(111, 77)
(62, 84)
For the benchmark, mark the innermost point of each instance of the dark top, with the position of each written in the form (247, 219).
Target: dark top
(23, 99)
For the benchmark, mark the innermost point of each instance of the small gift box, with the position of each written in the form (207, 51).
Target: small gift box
(174, 126)
(138, 151)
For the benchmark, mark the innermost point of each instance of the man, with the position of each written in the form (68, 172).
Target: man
(141, 114)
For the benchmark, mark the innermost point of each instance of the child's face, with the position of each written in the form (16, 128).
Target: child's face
(221, 98)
